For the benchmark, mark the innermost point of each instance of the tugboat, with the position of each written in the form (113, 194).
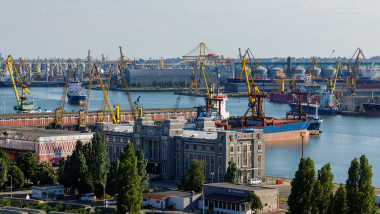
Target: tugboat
(75, 95)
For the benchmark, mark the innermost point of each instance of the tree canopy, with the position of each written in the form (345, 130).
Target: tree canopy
(323, 190)
(128, 182)
(28, 165)
(302, 185)
(141, 167)
(194, 177)
(230, 175)
(18, 179)
(255, 202)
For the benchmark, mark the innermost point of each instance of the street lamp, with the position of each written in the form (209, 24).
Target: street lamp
(212, 177)
(11, 185)
(302, 134)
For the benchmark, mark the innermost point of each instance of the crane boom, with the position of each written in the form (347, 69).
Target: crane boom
(114, 117)
(131, 105)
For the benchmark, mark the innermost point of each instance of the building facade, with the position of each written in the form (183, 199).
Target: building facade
(46, 144)
(171, 146)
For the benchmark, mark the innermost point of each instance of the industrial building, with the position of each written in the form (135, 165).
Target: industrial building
(171, 146)
(232, 198)
(46, 144)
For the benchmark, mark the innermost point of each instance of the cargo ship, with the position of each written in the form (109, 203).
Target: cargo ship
(75, 95)
(371, 108)
(328, 105)
(311, 89)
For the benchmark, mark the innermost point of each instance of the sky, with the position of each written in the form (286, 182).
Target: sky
(170, 29)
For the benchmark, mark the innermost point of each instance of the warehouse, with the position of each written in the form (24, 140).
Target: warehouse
(46, 144)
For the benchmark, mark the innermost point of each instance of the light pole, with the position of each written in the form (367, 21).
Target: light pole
(203, 198)
(302, 134)
(212, 177)
(11, 186)
(104, 195)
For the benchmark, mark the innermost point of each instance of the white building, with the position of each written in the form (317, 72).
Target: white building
(48, 192)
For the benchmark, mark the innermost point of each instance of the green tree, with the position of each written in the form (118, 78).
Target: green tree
(97, 161)
(323, 190)
(194, 177)
(4, 167)
(141, 167)
(111, 187)
(76, 168)
(28, 165)
(299, 200)
(339, 202)
(366, 190)
(255, 202)
(62, 177)
(128, 182)
(230, 175)
(18, 179)
(352, 184)
(45, 173)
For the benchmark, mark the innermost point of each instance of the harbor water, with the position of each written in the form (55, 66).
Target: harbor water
(343, 137)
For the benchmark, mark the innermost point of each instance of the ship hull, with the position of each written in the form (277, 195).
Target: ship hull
(76, 100)
(371, 109)
(310, 109)
(282, 132)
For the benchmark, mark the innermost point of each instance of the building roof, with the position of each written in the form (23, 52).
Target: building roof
(238, 186)
(200, 134)
(31, 133)
(175, 193)
(225, 198)
(155, 196)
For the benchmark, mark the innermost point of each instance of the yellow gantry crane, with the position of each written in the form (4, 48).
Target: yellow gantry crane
(131, 104)
(351, 79)
(115, 115)
(58, 121)
(255, 97)
(331, 81)
(22, 105)
(83, 113)
(101, 112)
(313, 66)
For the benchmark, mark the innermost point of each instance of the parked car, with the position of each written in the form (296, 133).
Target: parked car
(111, 202)
(88, 197)
(253, 181)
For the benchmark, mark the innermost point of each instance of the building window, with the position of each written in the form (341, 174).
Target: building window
(259, 147)
(259, 158)
(186, 145)
(107, 138)
(232, 159)
(121, 140)
(177, 145)
(114, 139)
(238, 148)
(230, 138)
(212, 148)
(231, 149)
(238, 161)
(245, 156)
(250, 148)
(145, 199)
(194, 157)
(220, 149)
(203, 147)
(157, 201)
(220, 160)
(195, 146)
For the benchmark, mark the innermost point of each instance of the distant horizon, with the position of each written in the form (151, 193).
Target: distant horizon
(169, 29)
